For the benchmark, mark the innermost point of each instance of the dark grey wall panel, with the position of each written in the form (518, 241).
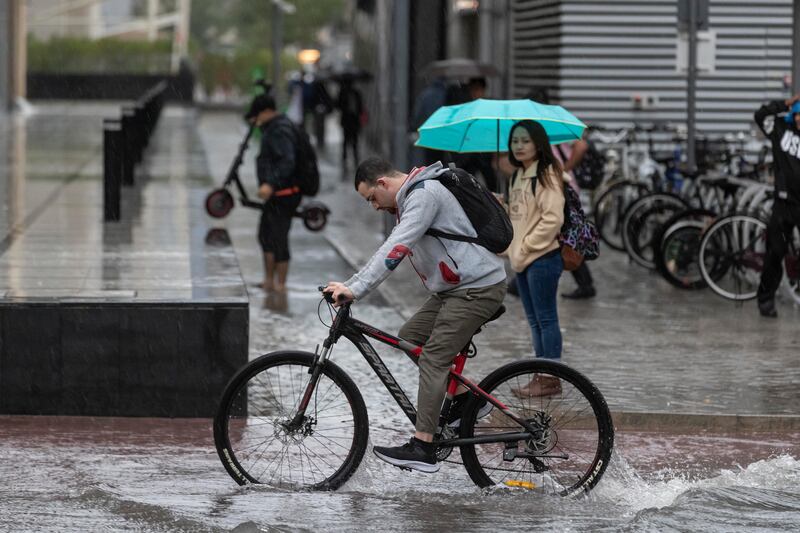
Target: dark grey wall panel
(154, 359)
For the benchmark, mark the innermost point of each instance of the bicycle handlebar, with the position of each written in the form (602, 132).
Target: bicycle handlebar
(329, 295)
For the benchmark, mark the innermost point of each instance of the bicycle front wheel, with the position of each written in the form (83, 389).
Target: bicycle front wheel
(260, 438)
(571, 446)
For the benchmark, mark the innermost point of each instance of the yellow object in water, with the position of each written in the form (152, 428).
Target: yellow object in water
(522, 484)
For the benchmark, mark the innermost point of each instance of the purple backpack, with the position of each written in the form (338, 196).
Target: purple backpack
(577, 232)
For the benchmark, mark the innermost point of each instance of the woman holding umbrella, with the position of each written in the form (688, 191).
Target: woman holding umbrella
(536, 209)
(536, 199)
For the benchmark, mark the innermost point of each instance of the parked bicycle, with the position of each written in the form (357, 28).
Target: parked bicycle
(732, 254)
(296, 420)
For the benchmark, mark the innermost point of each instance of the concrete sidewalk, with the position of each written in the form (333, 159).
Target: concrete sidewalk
(660, 356)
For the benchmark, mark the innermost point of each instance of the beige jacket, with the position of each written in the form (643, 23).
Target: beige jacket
(536, 219)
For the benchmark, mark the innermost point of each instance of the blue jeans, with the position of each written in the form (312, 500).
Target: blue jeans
(538, 287)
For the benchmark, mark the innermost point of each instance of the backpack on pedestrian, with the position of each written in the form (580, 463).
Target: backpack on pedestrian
(590, 171)
(306, 169)
(578, 235)
(485, 213)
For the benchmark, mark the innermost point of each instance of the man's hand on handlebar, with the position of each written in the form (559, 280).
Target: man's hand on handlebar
(339, 292)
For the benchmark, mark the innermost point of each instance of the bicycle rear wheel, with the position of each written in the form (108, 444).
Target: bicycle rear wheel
(732, 255)
(571, 447)
(259, 439)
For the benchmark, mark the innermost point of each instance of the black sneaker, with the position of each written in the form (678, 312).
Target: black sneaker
(767, 308)
(413, 455)
(457, 409)
(581, 293)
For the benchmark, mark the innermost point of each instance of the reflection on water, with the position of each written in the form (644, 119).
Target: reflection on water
(164, 475)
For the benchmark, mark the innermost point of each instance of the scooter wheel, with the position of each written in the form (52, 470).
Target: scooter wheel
(219, 203)
(315, 218)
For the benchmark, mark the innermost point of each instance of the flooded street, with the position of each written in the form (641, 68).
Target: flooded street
(84, 474)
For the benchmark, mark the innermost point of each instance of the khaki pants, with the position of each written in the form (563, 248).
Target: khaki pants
(444, 324)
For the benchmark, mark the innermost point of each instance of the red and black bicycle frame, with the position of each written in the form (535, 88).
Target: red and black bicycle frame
(357, 332)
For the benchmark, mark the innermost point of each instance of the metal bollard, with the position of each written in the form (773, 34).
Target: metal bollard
(112, 168)
(129, 144)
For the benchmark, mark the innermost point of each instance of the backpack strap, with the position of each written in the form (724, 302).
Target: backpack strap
(438, 233)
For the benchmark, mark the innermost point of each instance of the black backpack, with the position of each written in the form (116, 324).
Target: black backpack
(589, 173)
(484, 211)
(306, 169)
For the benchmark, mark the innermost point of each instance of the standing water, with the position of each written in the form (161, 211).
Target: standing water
(88, 474)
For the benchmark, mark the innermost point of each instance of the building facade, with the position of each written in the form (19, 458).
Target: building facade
(614, 62)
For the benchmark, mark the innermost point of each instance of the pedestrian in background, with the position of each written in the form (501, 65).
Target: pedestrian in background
(570, 156)
(536, 209)
(320, 105)
(432, 97)
(351, 106)
(784, 132)
(275, 170)
(478, 163)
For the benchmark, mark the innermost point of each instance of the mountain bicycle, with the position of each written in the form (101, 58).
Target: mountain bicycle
(296, 420)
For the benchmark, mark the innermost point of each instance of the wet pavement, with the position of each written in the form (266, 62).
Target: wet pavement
(656, 354)
(54, 243)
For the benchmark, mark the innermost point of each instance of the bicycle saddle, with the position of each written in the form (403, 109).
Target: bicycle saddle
(497, 314)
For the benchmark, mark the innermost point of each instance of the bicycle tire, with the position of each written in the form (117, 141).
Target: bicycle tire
(577, 474)
(647, 215)
(262, 429)
(677, 256)
(609, 208)
(717, 258)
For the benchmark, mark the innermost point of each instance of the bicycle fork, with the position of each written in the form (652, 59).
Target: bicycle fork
(315, 370)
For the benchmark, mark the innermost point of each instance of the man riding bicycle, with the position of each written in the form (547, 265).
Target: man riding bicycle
(466, 281)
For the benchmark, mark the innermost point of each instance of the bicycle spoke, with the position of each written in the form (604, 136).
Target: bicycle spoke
(560, 451)
(274, 446)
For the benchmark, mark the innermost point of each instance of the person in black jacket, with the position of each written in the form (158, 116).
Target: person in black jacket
(351, 105)
(784, 132)
(275, 169)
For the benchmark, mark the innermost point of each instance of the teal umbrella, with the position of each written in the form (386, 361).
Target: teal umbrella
(484, 125)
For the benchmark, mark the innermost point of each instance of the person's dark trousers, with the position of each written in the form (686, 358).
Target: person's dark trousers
(319, 129)
(583, 277)
(785, 216)
(350, 141)
(276, 221)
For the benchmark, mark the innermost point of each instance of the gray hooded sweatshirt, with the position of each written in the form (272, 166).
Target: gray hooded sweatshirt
(442, 264)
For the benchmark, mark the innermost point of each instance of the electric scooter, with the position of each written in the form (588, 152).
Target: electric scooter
(219, 202)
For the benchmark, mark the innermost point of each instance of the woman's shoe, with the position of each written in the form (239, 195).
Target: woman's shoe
(539, 386)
